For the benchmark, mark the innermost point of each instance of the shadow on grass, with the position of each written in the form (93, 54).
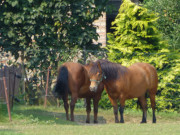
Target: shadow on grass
(43, 116)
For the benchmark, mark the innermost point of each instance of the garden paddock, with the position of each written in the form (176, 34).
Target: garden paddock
(34, 85)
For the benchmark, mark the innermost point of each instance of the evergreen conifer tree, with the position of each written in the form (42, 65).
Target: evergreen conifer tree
(135, 37)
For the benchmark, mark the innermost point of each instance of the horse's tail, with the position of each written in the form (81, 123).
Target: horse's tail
(62, 82)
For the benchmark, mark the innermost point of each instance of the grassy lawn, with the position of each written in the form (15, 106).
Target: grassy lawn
(36, 120)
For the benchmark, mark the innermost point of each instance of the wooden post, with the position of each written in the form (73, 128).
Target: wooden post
(47, 82)
(13, 89)
(6, 94)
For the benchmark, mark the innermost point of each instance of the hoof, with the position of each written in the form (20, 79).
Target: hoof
(142, 122)
(87, 121)
(95, 121)
(116, 121)
(154, 122)
(121, 121)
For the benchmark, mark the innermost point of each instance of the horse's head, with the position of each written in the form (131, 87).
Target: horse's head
(96, 75)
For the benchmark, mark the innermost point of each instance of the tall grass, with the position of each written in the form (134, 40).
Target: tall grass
(3, 113)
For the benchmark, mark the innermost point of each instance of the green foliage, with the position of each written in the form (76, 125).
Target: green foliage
(137, 39)
(135, 35)
(76, 26)
(42, 32)
(169, 86)
(105, 102)
(168, 22)
(3, 112)
(35, 28)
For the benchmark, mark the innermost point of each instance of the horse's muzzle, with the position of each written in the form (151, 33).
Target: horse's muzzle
(93, 89)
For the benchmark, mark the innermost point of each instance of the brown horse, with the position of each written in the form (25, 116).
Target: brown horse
(122, 83)
(73, 79)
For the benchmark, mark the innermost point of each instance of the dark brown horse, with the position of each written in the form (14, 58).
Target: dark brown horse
(73, 79)
(122, 83)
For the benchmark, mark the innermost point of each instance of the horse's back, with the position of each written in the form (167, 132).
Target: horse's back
(75, 70)
(150, 74)
(77, 76)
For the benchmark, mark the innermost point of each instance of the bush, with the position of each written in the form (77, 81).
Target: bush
(168, 22)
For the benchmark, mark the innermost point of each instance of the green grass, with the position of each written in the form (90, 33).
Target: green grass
(37, 120)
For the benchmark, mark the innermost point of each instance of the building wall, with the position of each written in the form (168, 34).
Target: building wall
(104, 23)
(101, 30)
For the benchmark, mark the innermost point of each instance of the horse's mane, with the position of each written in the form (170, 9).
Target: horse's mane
(112, 71)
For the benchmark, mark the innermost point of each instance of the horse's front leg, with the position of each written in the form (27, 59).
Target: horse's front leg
(95, 103)
(72, 105)
(115, 108)
(121, 110)
(88, 109)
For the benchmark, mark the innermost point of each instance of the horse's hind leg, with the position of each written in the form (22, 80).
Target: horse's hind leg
(88, 109)
(153, 104)
(72, 105)
(143, 104)
(66, 105)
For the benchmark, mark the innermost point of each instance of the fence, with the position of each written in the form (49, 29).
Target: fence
(12, 76)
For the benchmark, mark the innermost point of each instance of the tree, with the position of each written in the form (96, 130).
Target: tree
(137, 39)
(135, 35)
(41, 32)
(168, 22)
(52, 25)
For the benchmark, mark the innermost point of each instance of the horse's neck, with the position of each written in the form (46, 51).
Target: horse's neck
(122, 79)
(86, 74)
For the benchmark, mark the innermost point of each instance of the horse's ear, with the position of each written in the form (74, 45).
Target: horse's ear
(89, 64)
(99, 66)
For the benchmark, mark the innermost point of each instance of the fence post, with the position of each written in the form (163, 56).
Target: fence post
(6, 94)
(47, 82)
